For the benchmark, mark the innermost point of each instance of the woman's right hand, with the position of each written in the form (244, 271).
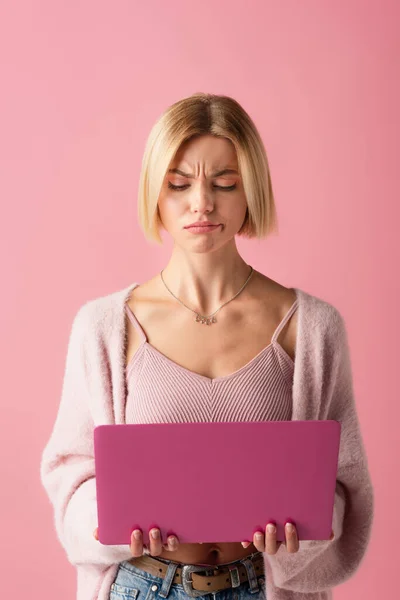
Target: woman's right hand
(156, 545)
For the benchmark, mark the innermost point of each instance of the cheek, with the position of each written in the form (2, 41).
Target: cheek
(169, 209)
(233, 210)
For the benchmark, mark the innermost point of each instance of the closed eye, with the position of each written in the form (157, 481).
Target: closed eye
(183, 187)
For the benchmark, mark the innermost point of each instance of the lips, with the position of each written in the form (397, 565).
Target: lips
(202, 225)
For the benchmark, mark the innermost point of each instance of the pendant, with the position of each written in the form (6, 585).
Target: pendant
(205, 320)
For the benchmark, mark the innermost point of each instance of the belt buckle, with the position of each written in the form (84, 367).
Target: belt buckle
(234, 575)
(188, 583)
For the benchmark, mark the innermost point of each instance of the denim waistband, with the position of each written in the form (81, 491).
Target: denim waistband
(248, 589)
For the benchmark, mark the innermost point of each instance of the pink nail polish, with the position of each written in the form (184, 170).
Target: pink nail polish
(170, 532)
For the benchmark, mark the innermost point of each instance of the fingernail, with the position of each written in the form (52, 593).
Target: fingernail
(172, 541)
(137, 534)
(155, 534)
(271, 528)
(259, 535)
(289, 527)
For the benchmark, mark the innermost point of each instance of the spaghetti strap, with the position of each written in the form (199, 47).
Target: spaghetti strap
(284, 320)
(135, 322)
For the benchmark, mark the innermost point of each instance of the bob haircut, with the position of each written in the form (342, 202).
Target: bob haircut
(207, 114)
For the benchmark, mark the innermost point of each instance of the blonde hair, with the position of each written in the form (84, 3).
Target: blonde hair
(207, 114)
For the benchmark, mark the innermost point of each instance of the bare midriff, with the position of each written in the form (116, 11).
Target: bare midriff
(210, 554)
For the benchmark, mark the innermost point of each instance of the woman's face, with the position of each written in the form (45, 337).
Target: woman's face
(207, 187)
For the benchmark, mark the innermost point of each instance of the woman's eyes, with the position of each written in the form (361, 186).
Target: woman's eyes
(182, 187)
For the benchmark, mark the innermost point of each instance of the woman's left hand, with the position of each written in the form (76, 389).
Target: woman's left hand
(267, 542)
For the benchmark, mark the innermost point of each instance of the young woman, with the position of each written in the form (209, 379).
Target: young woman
(208, 324)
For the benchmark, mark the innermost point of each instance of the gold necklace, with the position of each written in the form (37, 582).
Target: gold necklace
(210, 319)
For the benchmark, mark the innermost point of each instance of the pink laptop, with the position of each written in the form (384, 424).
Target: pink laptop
(215, 482)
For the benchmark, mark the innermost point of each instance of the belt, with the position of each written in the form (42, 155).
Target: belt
(236, 571)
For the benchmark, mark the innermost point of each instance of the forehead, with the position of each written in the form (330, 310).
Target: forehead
(216, 153)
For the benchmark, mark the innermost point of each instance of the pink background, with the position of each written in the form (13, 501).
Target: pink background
(82, 84)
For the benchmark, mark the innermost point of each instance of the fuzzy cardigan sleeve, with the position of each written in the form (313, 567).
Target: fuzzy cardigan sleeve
(320, 565)
(67, 465)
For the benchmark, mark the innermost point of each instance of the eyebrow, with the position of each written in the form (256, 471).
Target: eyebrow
(215, 174)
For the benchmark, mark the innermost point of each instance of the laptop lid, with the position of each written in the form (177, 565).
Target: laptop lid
(215, 481)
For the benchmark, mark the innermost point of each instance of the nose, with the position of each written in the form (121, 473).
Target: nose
(201, 200)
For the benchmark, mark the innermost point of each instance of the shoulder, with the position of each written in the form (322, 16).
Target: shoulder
(320, 321)
(314, 315)
(102, 314)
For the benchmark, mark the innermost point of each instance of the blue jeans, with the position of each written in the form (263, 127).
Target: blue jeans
(133, 583)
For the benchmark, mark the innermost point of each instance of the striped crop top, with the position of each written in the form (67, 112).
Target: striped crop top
(159, 390)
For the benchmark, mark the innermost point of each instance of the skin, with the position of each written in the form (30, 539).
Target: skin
(206, 269)
(266, 542)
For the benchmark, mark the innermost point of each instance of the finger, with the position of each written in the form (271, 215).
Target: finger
(172, 543)
(136, 543)
(259, 541)
(155, 542)
(271, 546)
(292, 540)
(246, 543)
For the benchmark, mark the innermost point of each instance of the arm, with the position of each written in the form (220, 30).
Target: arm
(67, 467)
(321, 565)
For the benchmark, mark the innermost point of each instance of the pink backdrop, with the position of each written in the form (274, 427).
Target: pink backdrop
(82, 84)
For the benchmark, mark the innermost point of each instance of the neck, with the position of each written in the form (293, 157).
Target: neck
(204, 281)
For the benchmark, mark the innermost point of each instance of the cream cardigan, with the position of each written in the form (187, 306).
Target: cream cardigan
(94, 393)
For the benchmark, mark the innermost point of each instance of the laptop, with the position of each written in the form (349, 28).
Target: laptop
(215, 481)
